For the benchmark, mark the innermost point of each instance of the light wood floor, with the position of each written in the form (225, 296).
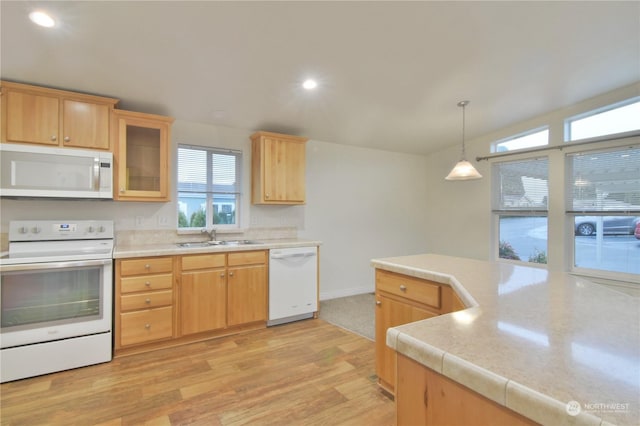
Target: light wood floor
(304, 373)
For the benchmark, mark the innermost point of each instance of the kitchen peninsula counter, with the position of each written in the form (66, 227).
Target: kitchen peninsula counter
(530, 339)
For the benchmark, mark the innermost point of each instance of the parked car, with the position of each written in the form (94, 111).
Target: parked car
(637, 231)
(612, 225)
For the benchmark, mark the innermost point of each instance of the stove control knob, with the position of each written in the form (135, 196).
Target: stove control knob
(36, 230)
(23, 230)
(90, 229)
(101, 229)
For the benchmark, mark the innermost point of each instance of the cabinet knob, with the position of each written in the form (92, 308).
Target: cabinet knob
(266, 195)
(221, 275)
(230, 274)
(147, 266)
(378, 302)
(54, 138)
(67, 138)
(147, 326)
(148, 301)
(121, 190)
(403, 288)
(147, 283)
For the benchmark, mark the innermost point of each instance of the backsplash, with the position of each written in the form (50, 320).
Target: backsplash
(163, 236)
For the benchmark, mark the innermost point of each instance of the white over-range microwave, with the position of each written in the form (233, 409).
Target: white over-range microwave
(41, 171)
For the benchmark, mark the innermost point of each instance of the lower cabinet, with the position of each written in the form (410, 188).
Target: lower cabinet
(203, 293)
(424, 397)
(222, 290)
(143, 301)
(391, 313)
(402, 299)
(170, 300)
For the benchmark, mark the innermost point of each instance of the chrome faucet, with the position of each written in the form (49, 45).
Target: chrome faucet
(212, 233)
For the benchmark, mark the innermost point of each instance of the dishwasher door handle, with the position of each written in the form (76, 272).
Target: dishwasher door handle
(287, 256)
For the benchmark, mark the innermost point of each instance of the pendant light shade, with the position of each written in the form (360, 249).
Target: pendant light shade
(463, 170)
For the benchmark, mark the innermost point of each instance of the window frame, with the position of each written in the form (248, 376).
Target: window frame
(210, 195)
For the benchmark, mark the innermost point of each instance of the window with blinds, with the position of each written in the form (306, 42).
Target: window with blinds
(520, 191)
(209, 186)
(604, 181)
(603, 198)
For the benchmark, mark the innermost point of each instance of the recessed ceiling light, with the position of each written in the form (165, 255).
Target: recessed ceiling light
(42, 19)
(310, 84)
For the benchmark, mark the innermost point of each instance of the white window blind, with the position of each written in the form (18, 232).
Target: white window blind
(208, 186)
(520, 185)
(604, 181)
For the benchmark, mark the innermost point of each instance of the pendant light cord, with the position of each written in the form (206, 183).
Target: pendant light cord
(463, 104)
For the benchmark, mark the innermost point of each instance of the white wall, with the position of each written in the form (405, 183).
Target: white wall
(361, 203)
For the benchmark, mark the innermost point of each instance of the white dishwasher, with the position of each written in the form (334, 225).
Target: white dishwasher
(293, 284)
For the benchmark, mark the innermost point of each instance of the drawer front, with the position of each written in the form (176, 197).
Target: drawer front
(145, 283)
(146, 326)
(148, 300)
(150, 265)
(202, 261)
(247, 258)
(415, 289)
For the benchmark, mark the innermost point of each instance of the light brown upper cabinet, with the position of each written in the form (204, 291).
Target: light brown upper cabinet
(277, 168)
(141, 156)
(32, 114)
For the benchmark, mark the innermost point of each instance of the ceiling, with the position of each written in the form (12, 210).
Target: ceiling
(390, 73)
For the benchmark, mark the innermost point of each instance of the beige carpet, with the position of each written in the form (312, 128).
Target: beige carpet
(354, 313)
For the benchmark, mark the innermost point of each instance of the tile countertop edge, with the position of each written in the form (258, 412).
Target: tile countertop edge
(523, 400)
(171, 249)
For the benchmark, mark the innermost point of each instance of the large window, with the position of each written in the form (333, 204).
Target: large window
(520, 191)
(208, 187)
(603, 203)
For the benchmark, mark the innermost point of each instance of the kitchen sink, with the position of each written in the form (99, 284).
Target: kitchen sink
(217, 243)
(239, 242)
(197, 244)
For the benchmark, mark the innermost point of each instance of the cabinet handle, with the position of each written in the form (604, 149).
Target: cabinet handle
(403, 288)
(148, 284)
(148, 301)
(54, 137)
(378, 302)
(425, 397)
(67, 138)
(147, 326)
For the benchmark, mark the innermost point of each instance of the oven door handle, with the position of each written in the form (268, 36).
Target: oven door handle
(54, 265)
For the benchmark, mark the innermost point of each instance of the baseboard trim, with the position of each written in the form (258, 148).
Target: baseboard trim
(345, 292)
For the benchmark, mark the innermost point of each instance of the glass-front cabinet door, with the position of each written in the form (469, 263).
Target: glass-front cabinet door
(142, 156)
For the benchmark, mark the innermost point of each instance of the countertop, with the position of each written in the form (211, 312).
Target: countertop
(122, 251)
(531, 340)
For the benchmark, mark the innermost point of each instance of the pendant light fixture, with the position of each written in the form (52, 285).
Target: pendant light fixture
(463, 170)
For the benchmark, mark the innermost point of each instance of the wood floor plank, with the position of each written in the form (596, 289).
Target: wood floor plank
(303, 373)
